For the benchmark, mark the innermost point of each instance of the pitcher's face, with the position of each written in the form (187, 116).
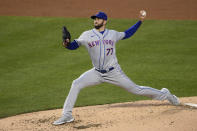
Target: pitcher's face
(98, 23)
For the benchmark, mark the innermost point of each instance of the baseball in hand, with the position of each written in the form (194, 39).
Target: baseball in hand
(143, 13)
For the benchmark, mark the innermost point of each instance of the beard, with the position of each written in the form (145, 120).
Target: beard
(99, 25)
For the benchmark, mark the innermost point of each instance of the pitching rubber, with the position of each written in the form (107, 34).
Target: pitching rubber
(190, 105)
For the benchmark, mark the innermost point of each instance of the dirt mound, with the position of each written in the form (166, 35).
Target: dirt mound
(157, 9)
(137, 116)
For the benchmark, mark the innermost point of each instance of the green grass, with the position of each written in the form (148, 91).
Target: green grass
(36, 72)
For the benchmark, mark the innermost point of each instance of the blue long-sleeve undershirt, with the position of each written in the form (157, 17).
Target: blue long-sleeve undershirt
(132, 30)
(73, 45)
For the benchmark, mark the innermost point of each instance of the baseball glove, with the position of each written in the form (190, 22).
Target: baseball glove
(66, 37)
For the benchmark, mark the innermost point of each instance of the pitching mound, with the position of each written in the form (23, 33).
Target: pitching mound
(137, 116)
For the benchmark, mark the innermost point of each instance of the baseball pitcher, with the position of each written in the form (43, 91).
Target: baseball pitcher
(100, 43)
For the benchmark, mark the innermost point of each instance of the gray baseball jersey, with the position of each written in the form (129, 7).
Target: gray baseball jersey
(101, 47)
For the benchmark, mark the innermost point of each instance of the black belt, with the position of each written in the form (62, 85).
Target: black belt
(105, 71)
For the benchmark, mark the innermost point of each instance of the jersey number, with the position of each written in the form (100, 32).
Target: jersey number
(109, 51)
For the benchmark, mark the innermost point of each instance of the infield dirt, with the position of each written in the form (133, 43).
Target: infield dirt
(137, 116)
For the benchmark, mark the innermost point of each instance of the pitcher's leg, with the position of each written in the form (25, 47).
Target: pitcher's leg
(118, 77)
(130, 86)
(163, 94)
(150, 92)
(89, 78)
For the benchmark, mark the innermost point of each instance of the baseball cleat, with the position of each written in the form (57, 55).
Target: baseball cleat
(171, 98)
(63, 119)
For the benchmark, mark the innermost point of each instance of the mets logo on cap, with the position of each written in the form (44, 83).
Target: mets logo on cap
(100, 15)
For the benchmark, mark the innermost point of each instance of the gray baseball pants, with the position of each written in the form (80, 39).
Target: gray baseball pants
(116, 77)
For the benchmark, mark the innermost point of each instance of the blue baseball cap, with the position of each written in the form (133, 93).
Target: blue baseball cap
(100, 15)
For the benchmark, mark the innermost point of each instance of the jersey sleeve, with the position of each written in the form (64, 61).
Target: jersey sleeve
(120, 35)
(82, 40)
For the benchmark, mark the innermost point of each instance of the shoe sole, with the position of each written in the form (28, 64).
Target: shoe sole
(71, 120)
